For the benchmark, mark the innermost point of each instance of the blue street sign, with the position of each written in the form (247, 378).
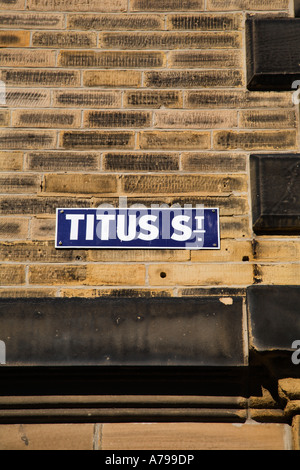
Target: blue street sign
(159, 228)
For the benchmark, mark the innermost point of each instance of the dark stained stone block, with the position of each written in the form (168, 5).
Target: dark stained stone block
(123, 332)
(274, 317)
(297, 8)
(275, 188)
(272, 53)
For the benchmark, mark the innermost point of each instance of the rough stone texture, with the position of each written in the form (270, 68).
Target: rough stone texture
(27, 98)
(75, 5)
(46, 119)
(14, 38)
(272, 64)
(62, 161)
(40, 77)
(107, 78)
(63, 40)
(47, 437)
(167, 5)
(115, 22)
(103, 336)
(256, 5)
(160, 436)
(273, 315)
(279, 212)
(11, 161)
(27, 58)
(204, 22)
(193, 436)
(170, 40)
(87, 99)
(31, 20)
(111, 59)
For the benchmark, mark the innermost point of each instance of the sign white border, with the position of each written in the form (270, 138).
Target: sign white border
(99, 247)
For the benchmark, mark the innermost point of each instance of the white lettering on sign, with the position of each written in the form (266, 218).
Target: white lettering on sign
(138, 228)
(125, 232)
(75, 218)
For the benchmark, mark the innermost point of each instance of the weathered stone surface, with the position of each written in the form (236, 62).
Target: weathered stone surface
(235, 227)
(47, 437)
(39, 205)
(115, 22)
(12, 4)
(19, 292)
(140, 162)
(167, 5)
(266, 119)
(258, 5)
(62, 161)
(27, 98)
(229, 204)
(20, 184)
(108, 78)
(231, 251)
(168, 140)
(114, 59)
(170, 40)
(42, 229)
(13, 228)
(195, 436)
(272, 60)
(97, 140)
(12, 275)
(4, 118)
(170, 184)
(284, 250)
(31, 20)
(80, 183)
(284, 274)
(209, 274)
(26, 58)
(142, 256)
(274, 317)
(37, 252)
(50, 119)
(204, 22)
(14, 38)
(206, 59)
(214, 162)
(11, 161)
(12, 139)
(153, 99)
(195, 119)
(196, 79)
(88, 275)
(135, 293)
(236, 99)
(257, 140)
(275, 212)
(64, 39)
(115, 119)
(70, 339)
(78, 5)
(41, 78)
(87, 99)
